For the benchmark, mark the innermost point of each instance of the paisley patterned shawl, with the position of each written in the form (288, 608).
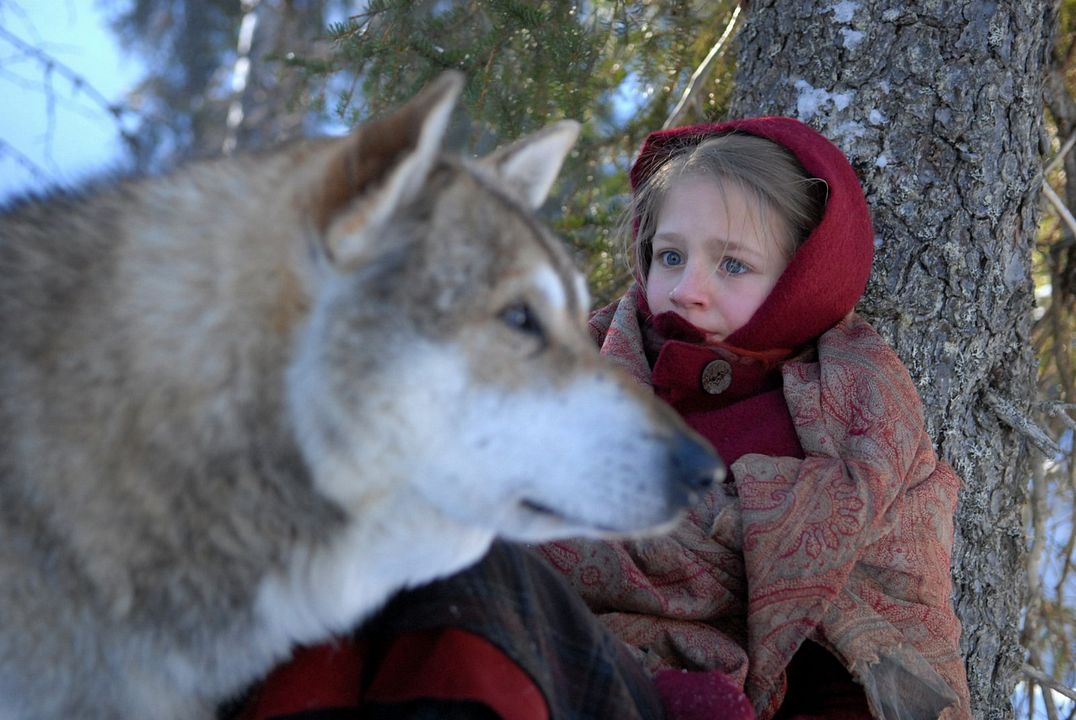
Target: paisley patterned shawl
(849, 547)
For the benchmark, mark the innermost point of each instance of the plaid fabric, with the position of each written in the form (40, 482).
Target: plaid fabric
(513, 599)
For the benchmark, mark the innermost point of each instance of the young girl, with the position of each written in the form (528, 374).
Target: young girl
(815, 583)
(822, 579)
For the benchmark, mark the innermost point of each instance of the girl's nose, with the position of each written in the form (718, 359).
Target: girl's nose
(692, 290)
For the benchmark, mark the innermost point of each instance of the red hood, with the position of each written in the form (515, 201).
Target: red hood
(829, 272)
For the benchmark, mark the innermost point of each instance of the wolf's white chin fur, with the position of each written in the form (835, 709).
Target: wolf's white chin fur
(393, 538)
(328, 590)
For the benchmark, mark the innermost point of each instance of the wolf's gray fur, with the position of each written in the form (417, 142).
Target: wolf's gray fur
(244, 403)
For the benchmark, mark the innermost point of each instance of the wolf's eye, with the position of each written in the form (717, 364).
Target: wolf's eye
(519, 316)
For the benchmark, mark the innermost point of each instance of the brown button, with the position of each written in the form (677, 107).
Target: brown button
(716, 377)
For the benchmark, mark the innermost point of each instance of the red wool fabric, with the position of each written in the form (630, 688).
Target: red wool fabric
(442, 664)
(324, 676)
(453, 664)
(702, 696)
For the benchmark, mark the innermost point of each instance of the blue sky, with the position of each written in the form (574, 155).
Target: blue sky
(72, 136)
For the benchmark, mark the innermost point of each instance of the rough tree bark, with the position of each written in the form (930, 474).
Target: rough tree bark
(938, 104)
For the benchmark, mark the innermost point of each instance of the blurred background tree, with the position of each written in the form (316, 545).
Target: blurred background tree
(234, 75)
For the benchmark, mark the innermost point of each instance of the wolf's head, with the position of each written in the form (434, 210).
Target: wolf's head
(445, 368)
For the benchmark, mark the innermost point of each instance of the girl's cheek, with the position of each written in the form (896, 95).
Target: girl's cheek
(657, 292)
(653, 275)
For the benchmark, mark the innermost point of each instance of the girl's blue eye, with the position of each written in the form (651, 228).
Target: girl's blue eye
(732, 266)
(670, 258)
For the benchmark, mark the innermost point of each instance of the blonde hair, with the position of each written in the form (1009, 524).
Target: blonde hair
(766, 172)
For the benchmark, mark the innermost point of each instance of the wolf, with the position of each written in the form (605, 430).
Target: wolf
(245, 402)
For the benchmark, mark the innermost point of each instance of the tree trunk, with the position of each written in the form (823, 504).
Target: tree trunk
(939, 107)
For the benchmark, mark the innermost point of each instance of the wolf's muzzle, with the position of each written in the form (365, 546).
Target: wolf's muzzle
(695, 467)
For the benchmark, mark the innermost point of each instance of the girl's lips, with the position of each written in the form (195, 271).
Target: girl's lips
(714, 337)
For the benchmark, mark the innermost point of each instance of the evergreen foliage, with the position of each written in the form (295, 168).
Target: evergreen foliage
(612, 65)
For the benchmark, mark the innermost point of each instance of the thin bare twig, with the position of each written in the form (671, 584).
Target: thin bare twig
(1060, 157)
(697, 77)
(1060, 410)
(52, 65)
(51, 69)
(1059, 206)
(35, 170)
(1020, 422)
(1046, 681)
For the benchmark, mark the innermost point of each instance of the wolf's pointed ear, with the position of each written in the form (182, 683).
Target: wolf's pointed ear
(530, 165)
(382, 166)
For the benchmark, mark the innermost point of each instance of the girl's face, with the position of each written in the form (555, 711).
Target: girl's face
(717, 255)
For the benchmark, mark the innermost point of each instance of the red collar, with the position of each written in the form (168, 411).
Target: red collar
(692, 376)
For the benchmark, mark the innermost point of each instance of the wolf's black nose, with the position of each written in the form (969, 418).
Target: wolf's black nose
(695, 463)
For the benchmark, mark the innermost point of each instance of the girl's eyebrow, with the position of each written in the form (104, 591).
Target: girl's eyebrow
(740, 251)
(724, 246)
(735, 247)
